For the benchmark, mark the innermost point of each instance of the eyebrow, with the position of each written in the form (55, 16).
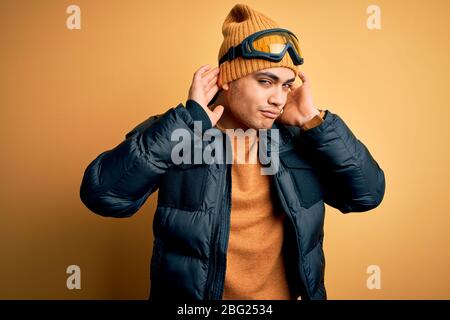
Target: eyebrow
(272, 76)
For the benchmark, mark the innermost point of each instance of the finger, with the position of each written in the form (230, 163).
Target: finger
(210, 74)
(210, 94)
(201, 70)
(217, 112)
(302, 76)
(210, 79)
(211, 84)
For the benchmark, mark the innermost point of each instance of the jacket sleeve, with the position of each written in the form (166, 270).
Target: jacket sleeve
(118, 181)
(353, 181)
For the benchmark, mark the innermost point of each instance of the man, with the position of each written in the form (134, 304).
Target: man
(224, 230)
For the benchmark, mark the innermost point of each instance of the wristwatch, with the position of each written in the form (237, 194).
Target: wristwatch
(314, 122)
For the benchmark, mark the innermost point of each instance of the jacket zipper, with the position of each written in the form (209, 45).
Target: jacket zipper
(286, 208)
(214, 283)
(224, 233)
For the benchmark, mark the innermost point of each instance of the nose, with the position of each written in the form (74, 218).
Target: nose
(277, 97)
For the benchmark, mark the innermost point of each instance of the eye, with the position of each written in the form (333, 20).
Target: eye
(264, 81)
(288, 86)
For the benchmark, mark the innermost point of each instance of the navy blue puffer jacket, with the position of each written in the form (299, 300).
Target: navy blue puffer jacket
(325, 164)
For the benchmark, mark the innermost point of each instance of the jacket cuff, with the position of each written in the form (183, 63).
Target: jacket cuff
(198, 114)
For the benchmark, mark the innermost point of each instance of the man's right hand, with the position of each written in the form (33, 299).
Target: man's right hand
(203, 88)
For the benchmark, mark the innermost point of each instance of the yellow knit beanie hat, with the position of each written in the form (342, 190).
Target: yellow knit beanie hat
(241, 22)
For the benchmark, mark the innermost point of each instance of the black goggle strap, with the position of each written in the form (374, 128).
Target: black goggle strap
(231, 54)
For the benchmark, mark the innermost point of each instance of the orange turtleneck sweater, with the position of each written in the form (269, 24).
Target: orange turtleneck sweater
(255, 264)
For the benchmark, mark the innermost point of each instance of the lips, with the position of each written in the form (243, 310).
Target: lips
(270, 113)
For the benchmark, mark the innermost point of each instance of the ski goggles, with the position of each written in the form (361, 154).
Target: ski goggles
(270, 44)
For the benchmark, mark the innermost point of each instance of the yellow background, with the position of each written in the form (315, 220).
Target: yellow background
(67, 95)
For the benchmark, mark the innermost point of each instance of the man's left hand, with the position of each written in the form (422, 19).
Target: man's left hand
(299, 107)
